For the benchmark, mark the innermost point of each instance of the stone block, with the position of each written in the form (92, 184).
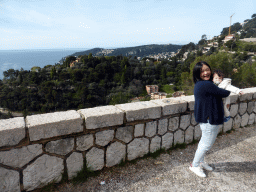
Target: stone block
(95, 159)
(104, 137)
(233, 110)
(237, 122)
(250, 90)
(191, 101)
(60, 147)
(254, 110)
(245, 119)
(9, 180)
(49, 125)
(179, 137)
(242, 108)
(189, 134)
(155, 144)
(151, 128)
(115, 154)
(185, 121)
(251, 119)
(12, 131)
(228, 125)
(233, 98)
(137, 148)
(141, 110)
(251, 106)
(246, 96)
(84, 142)
(125, 134)
(198, 132)
(167, 140)
(44, 170)
(172, 105)
(21, 156)
(139, 130)
(193, 120)
(75, 163)
(99, 117)
(173, 123)
(162, 126)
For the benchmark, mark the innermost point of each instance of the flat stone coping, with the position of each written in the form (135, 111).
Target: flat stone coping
(12, 123)
(54, 124)
(12, 131)
(172, 105)
(46, 118)
(140, 110)
(99, 117)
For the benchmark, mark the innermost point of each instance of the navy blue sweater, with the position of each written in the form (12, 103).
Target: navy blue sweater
(208, 102)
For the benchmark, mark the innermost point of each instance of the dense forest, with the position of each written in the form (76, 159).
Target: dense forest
(88, 80)
(92, 82)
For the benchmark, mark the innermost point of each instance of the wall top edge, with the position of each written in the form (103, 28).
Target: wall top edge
(99, 111)
(137, 106)
(13, 123)
(46, 118)
(54, 117)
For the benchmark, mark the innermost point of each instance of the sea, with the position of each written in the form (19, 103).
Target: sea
(26, 59)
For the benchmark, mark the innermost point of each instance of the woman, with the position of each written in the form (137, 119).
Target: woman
(208, 112)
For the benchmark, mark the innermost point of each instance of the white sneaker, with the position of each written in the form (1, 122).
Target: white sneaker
(198, 171)
(206, 166)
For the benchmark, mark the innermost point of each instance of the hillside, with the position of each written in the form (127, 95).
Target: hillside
(139, 51)
(91, 80)
(247, 29)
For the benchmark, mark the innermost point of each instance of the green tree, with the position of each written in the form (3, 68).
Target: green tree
(53, 73)
(90, 56)
(186, 84)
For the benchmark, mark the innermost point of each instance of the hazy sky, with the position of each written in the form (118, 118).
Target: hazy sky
(39, 24)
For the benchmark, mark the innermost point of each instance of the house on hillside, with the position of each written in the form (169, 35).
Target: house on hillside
(151, 89)
(205, 49)
(158, 95)
(229, 37)
(179, 94)
(72, 64)
(213, 44)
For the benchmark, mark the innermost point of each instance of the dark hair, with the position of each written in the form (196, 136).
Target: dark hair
(219, 73)
(197, 71)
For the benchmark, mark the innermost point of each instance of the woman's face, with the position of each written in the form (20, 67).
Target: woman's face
(205, 74)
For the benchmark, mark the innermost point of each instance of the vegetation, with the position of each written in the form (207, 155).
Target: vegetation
(93, 81)
(88, 80)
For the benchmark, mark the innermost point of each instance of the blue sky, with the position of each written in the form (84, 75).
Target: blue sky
(50, 24)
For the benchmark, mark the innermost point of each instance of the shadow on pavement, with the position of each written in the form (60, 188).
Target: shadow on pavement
(249, 166)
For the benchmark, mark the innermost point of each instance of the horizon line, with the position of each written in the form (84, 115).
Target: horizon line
(104, 47)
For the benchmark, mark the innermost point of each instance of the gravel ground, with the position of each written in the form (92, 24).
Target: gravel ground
(233, 156)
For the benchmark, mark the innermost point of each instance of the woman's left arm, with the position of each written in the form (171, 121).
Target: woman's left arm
(215, 90)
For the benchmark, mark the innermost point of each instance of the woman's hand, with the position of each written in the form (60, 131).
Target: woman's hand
(241, 93)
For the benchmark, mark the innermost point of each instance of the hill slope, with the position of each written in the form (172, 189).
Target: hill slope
(139, 51)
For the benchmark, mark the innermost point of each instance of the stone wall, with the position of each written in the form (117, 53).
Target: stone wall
(36, 150)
